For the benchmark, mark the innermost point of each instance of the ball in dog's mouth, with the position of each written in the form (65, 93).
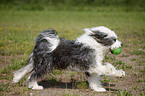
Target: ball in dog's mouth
(116, 51)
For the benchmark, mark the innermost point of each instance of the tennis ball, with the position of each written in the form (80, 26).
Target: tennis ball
(117, 51)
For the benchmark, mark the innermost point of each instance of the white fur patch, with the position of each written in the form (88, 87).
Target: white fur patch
(117, 44)
(53, 41)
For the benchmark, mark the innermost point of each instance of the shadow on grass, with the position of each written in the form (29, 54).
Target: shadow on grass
(72, 85)
(57, 84)
(109, 86)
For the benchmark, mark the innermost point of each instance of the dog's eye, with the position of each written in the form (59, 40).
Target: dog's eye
(114, 40)
(105, 35)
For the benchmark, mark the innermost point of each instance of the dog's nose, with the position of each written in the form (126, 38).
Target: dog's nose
(121, 44)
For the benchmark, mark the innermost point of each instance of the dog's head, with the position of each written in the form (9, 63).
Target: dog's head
(104, 37)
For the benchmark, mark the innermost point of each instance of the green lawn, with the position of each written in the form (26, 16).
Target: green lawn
(18, 30)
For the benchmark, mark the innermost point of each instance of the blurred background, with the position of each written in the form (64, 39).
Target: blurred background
(125, 5)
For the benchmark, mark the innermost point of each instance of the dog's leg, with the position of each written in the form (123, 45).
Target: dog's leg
(32, 82)
(108, 69)
(23, 71)
(94, 82)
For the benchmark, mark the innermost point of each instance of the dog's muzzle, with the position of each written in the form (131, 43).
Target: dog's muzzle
(116, 50)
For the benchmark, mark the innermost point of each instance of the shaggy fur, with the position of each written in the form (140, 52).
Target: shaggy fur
(84, 55)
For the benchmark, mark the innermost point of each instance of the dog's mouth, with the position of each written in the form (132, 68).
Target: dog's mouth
(111, 51)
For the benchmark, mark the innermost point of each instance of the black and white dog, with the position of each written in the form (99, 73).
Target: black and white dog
(84, 55)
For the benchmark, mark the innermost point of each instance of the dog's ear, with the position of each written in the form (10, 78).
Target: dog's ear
(98, 34)
(101, 37)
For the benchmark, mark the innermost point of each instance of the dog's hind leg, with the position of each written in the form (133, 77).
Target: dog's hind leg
(32, 82)
(23, 71)
(94, 82)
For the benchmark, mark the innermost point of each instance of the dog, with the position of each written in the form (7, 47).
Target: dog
(85, 54)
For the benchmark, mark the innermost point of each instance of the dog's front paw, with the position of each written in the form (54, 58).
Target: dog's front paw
(100, 89)
(120, 73)
(37, 88)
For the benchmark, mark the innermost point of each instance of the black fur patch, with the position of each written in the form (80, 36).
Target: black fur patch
(68, 54)
(87, 74)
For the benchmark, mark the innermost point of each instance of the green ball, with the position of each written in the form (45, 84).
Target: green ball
(117, 51)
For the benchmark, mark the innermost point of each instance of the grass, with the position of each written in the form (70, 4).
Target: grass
(18, 30)
(124, 93)
(77, 5)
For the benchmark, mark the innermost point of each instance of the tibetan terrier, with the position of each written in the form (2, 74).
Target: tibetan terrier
(85, 54)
